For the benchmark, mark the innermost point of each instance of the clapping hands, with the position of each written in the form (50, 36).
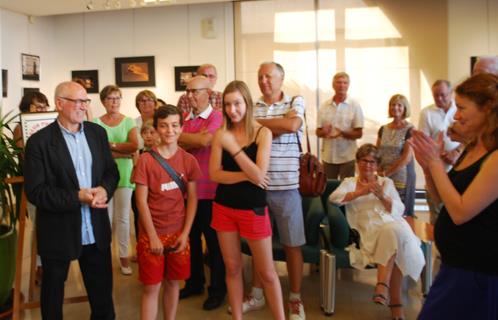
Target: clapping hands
(375, 188)
(426, 150)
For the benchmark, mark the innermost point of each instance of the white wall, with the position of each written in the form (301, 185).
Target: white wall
(18, 36)
(172, 34)
(473, 31)
(92, 40)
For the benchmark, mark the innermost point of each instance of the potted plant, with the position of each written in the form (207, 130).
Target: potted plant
(10, 202)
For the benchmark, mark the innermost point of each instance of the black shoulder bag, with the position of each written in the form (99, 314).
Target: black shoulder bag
(172, 173)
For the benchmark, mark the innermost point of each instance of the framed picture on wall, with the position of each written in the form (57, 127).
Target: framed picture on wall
(182, 75)
(26, 90)
(5, 82)
(34, 121)
(87, 78)
(135, 71)
(30, 67)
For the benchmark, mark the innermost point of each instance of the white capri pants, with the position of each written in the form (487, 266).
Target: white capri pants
(119, 208)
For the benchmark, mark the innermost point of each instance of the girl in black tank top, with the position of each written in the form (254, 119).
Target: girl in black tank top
(240, 157)
(245, 194)
(466, 231)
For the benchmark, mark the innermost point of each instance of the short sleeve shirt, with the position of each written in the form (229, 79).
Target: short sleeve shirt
(119, 134)
(434, 120)
(209, 120)
(345, 116)
(165, 199)
(284, 158)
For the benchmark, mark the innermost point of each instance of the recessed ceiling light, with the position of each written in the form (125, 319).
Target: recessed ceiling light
(90, 5)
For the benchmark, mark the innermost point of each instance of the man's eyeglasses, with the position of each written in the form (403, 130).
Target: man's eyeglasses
(195, 92)
(82, 102)
(113, 99)
(210, 76)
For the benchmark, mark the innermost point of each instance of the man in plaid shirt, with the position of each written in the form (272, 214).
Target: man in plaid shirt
(209, 71)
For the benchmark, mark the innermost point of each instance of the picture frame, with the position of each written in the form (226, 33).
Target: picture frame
(182, 75)
(33, 121)
(30, 67)
(5, 82)
(27, 90)
(89, 79)
(135, 71)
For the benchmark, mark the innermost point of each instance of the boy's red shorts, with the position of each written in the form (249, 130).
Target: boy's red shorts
(152, 269)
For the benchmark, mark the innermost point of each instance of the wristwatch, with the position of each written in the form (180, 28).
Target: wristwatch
(113, 145)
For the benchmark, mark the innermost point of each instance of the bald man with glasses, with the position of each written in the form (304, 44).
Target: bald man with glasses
(69, 176)
(198, 130)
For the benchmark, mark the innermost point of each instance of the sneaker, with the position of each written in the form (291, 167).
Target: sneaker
(296, 310)
(127, 271)
(251, 303)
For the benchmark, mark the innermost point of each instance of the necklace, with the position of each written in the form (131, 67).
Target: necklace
(364, 183)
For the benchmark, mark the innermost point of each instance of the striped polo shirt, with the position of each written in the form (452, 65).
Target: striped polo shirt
(284, 159)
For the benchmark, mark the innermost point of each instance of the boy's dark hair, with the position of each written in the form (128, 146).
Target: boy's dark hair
(166, 111)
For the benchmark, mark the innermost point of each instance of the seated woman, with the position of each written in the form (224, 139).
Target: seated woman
(374, 209)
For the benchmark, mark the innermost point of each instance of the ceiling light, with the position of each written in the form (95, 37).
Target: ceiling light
(90, 5)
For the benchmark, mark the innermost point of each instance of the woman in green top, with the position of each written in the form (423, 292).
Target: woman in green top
(123, 141)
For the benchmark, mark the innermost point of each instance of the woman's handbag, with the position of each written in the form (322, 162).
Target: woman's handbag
(312, 178)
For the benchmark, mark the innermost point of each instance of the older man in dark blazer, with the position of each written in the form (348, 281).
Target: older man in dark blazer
(69, 177)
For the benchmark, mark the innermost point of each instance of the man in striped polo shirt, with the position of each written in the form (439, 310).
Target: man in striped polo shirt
(283, 115)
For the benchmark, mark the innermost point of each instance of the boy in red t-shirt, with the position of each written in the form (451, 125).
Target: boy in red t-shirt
(164, 215)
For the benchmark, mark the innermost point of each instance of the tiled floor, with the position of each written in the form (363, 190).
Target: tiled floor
(353, 296)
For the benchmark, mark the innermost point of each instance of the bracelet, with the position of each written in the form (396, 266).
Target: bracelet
(236, 153)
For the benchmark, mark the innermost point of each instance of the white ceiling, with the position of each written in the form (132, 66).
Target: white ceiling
(54, 7)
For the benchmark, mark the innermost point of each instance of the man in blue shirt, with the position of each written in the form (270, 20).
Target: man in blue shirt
(69, 176)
